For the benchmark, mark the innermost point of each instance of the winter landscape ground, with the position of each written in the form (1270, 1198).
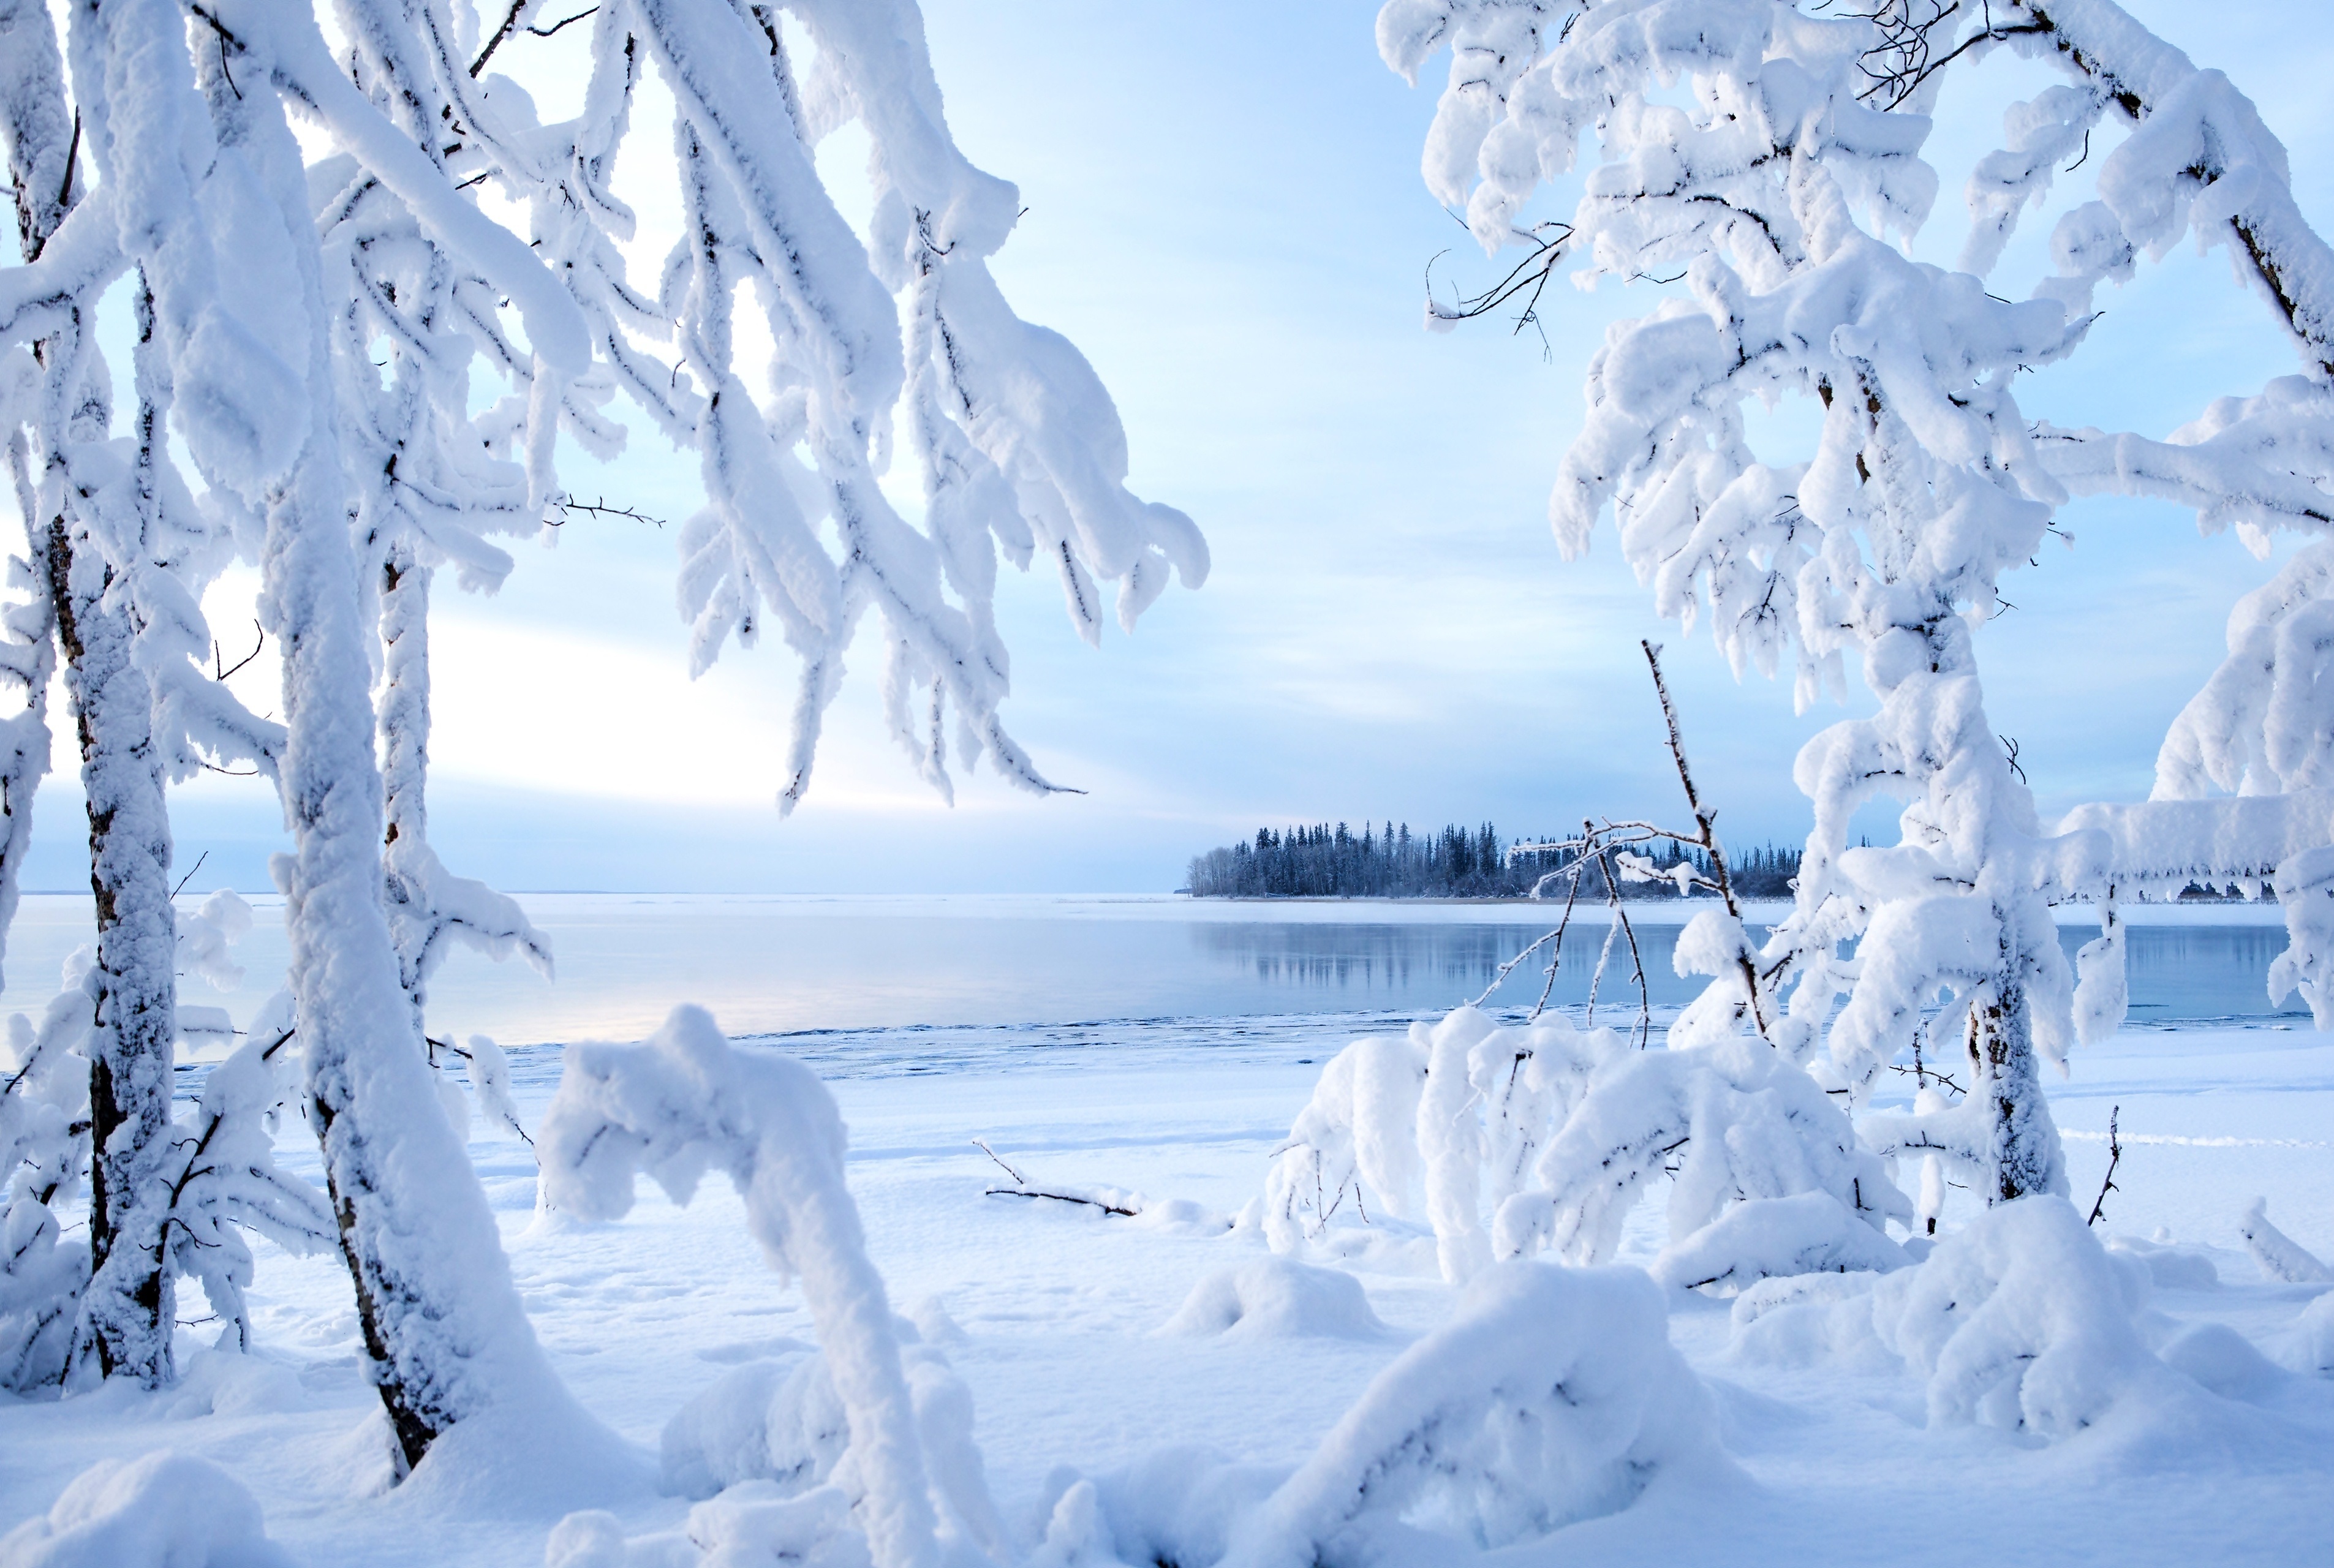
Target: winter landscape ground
(1070, 1330)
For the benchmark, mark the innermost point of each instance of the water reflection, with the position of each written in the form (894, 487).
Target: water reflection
(2177, 972)
(1393, 965)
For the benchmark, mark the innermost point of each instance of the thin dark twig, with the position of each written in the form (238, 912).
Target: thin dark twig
(547, 31)
(1927, 1073)
(1005, 1165)
(190, 874)
(601, 508)
(218, 660)
(2114, 1157)
(1059, 1197)
(1706, 818)
(509, 26)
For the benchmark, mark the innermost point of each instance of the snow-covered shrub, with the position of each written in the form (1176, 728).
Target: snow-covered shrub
(684, 1102)
(1277, 1298)
(1558, 1132)
(2022, 1320)
(216, 1168)
(1554, 1396)
(1431, 1125)
(2280, 1256)
(1731, 1122)
(162, 1511)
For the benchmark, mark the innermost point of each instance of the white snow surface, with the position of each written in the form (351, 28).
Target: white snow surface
(1102, 1439)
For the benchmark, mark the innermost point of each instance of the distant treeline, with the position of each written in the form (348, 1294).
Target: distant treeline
(1326, 861)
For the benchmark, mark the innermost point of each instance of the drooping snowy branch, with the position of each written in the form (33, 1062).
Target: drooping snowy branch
(687, 1101)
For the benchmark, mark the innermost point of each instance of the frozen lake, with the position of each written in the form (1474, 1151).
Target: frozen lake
(966, 971)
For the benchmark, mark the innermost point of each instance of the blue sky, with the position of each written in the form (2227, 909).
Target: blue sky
(1226, 215)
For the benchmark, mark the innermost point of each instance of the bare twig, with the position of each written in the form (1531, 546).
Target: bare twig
(1060, 1198)
(2114, 1157)
(555, 27)
(982, 1144)
(601, 508)
(1926, 1075)
(1705, 818)
(1022, 1188)
(509, 26)
(190, 874)
(219, 660)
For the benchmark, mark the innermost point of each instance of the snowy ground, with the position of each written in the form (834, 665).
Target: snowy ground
(1060, 1308)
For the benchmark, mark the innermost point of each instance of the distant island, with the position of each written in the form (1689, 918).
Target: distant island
(1326, 861)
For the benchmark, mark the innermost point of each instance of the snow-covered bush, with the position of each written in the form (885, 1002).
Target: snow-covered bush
(1765, 157)
(2020, 1320)
(1433, 1123)
(162, 1511)
(1557, 1132)
(685, 1102)
(1553, 1396)
(1277, 1298)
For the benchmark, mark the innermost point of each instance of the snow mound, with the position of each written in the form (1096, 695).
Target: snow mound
(2309, 1345)
(164, 1511)
(2280, 1256)
(2022, 1320)
(1173, 1505)
(1277, 1298)
(1554, 1396)
(2224, 1361)
(1804, 1234)
(2168, 1267)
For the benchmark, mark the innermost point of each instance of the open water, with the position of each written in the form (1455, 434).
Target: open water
(902, 984)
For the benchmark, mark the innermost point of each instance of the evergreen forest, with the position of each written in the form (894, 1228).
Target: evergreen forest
(1390, 861)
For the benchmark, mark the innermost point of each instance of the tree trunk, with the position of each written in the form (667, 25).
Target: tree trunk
(2022, 1153)
(127, 1314)
(445, 1335)
(404, 722)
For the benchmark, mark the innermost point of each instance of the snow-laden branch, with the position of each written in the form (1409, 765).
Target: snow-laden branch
(687, 1101)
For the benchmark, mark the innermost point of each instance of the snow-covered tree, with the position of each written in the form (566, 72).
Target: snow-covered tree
(270, 269)
(1770, 156)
